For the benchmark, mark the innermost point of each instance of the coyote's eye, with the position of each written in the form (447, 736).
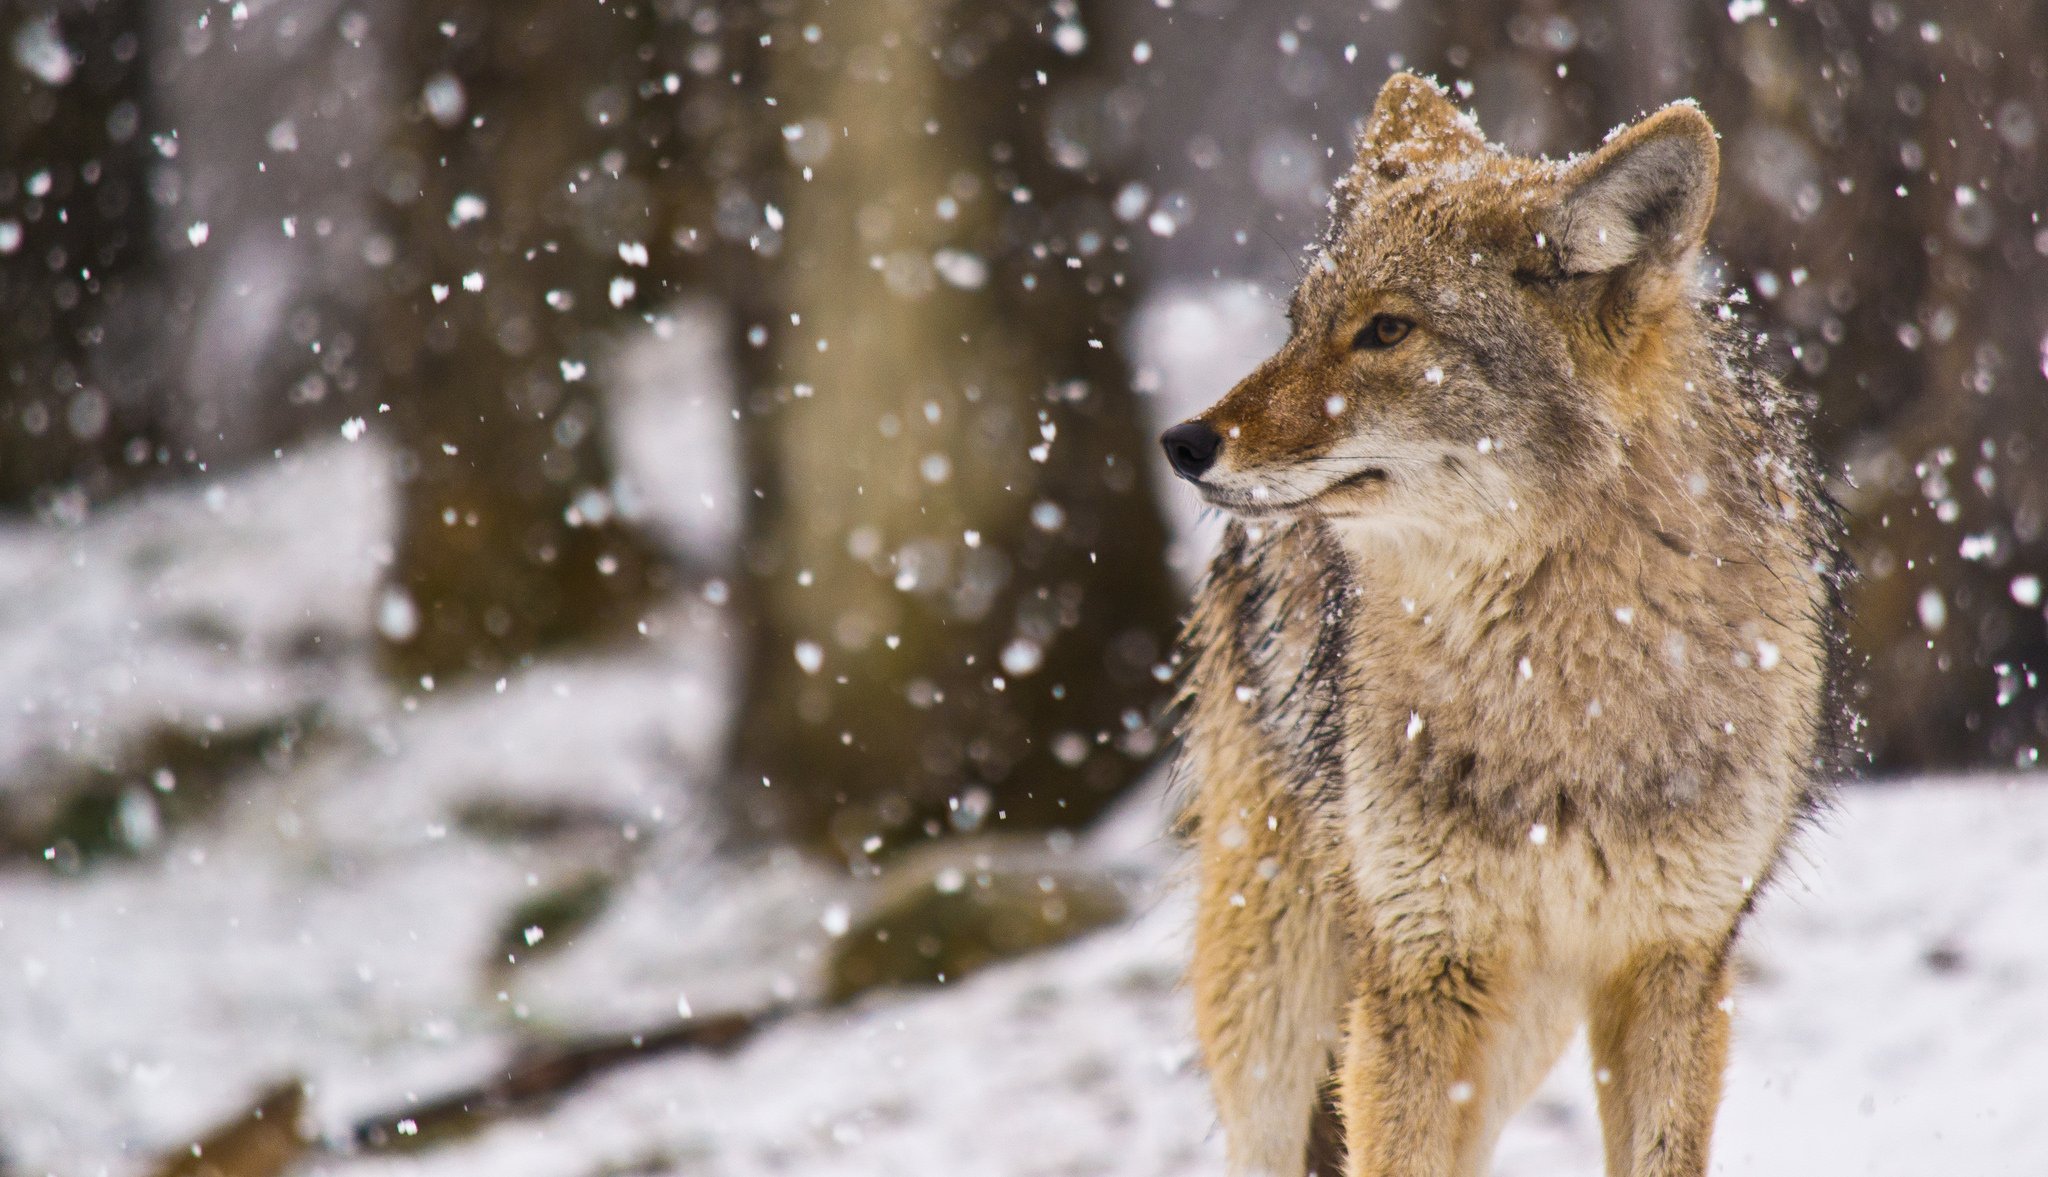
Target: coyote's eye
(1381, 331)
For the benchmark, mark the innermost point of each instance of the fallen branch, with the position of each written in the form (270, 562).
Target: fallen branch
(541, 1074)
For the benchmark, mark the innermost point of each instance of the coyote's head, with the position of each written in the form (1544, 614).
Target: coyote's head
(1478, 334)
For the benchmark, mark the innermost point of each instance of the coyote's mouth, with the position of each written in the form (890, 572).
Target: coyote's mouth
(1368, 476)
(1259, 505)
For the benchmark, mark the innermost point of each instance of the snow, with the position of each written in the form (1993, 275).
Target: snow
(1896, 989)
(335, 919)
(672, 426)
(1896, 992)
(219, 607)
(1073, 1063)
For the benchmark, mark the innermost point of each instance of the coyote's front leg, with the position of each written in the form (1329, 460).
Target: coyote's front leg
(1411, 1079)
(1268, 988)
(1659, 1033)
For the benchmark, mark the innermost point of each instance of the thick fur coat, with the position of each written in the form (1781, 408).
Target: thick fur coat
(1511, 681)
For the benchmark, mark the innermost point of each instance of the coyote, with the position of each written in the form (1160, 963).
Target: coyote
(1512, 677)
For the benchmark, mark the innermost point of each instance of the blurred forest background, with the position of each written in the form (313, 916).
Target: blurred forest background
(832, 337)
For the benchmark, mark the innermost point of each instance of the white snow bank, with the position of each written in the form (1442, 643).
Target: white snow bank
(339, 922)
(337, 918)
(217, 606)
(674, 432)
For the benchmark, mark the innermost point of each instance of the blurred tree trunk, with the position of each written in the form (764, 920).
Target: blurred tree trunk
(519, 231)
(75, 247)
(1536, 83)
(955, 558)
(1882, 191)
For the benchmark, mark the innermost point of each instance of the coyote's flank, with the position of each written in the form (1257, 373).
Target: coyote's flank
(1511, 681)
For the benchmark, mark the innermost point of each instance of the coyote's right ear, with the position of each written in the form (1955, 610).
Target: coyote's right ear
(1413, 123)
(1645, 197)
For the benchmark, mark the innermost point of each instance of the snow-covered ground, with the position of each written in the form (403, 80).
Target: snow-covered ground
(336, 912)
(343, 912)
(1892, 1024)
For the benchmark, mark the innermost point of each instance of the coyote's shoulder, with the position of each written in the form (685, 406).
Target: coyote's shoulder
(1511, 678)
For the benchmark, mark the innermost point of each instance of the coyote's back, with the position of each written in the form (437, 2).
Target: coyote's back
(1511, 680)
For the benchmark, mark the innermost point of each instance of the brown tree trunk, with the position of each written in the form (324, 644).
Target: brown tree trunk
(955, 558)
(75, 249)
(517, 219)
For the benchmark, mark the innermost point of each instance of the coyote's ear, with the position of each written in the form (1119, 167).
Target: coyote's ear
(1412, 124)
(1646, 196)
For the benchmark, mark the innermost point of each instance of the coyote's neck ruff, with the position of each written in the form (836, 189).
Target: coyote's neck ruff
(1510, 682)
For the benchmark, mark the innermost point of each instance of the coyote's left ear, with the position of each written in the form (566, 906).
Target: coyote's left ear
(1645, 197)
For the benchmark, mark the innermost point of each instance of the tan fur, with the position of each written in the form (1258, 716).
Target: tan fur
(1509, 685)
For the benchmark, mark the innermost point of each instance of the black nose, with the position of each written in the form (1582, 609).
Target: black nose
(1191, 448)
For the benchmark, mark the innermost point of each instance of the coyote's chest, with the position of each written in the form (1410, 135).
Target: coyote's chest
(1563, 797)
(1483, 711)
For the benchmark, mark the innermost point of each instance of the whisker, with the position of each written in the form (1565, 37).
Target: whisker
(1479, 488)
(1366, 459)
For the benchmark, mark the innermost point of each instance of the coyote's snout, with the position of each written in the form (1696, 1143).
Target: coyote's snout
(1191, 448)
(1511, 680)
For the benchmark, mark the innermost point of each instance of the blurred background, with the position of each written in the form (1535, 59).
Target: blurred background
(573, 573)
